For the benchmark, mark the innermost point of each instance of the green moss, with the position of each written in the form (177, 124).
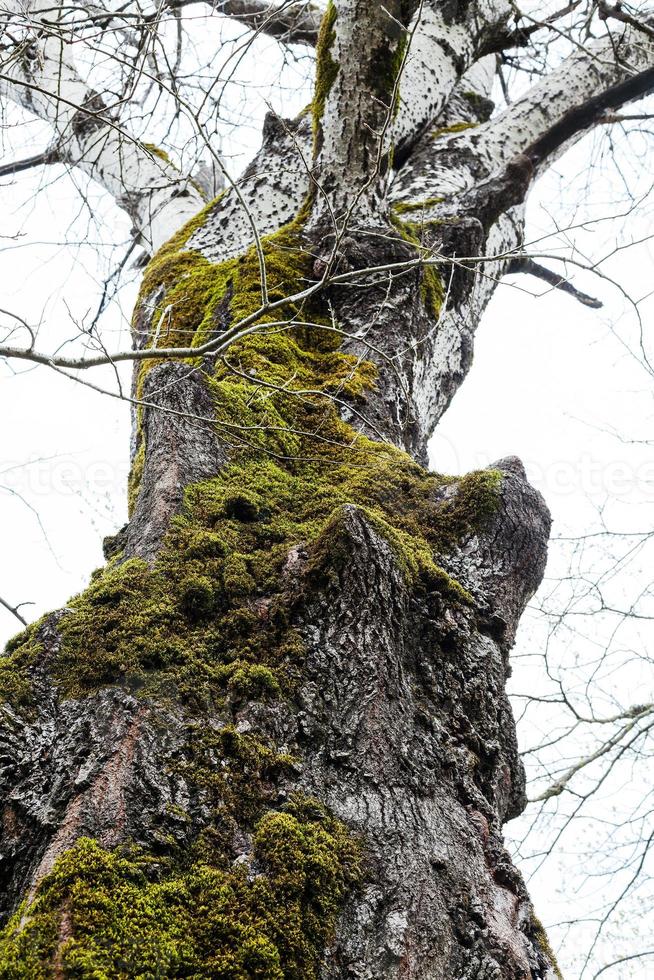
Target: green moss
(459, 127)
(242, 506)
(385, 64)
(217, 593)
(254, 682)
(105, 914)
(197, 597)
(216, 596)
(236, 577)
(542, 940)
(199, 300)
(156, 151)
(481, 106)
(431, 285)
(239, 776)
(332, 552)
(135, 477)
(326, 69)
(417, 229)
(21, 652)
(471, 508)
(406, 207)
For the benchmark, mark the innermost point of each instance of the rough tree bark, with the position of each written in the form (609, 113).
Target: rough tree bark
(272, 738)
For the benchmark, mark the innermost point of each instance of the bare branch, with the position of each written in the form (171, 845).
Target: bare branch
(616, 12)
(14, 610)
(293, 21)
(38, 160)
(523, 263)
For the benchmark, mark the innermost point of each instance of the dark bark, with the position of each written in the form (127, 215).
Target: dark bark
(400, 725)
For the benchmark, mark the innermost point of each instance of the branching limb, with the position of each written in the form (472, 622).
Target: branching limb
(15, 610)
(440, 54)
(38, 160)
(582, 92)
(527, 265)
(291, 22)
(610, 118)
(570, 100)
(87, 132)
(609, 11)
(624, 736)
(521, 36)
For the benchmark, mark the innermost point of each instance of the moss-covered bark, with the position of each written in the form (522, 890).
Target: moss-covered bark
(212, 625)
(126, 913)
(267, 718)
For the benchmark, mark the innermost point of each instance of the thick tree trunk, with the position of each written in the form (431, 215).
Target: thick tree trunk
(272, 738)
(397, 722)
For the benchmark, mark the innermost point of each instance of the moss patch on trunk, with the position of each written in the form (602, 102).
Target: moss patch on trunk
(214, 617)
(126, 913)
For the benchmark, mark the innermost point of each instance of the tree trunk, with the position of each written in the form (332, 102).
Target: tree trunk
(272, 739)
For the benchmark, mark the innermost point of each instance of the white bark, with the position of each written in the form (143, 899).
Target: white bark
(270, 192)
(441, 51)
(483, 150)
(586, 73)
(156, 195)
(458, 172)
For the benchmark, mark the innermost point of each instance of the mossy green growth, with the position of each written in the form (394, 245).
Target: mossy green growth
(458, 127)
(135, 477)
(21, 652)
(212, 619)
(385, 64)
(106, 914)
(471, 508)
(256, 407)
(480, 105)
(326, 69)
(415, 231)
(156, 151)
(543, 941)
(215, 604)
(238, 776)
(407, 207)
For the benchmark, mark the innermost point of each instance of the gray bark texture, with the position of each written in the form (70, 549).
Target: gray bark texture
(271, 739)
(401, 726)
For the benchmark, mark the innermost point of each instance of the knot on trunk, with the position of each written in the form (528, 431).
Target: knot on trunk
(502, 562)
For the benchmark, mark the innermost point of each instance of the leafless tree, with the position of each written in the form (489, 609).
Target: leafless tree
(272, 738)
